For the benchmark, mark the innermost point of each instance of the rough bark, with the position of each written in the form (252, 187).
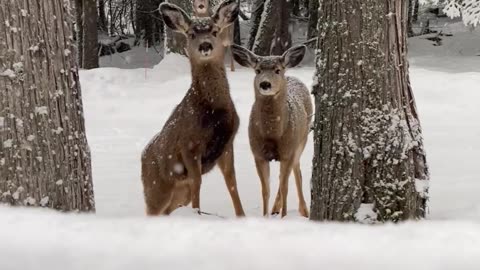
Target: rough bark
(368, 143)
(90, 34)
(255, 22)
(79, 30)
(273, 37)
(44, 155)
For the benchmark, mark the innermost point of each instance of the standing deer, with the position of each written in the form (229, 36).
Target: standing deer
(200, 132)
(201, 8)
(279, 121)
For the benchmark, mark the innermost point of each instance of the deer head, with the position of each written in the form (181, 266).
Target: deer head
(204, 42)
(270, 70)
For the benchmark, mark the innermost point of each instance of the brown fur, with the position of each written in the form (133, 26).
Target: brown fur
(278, 130)
(279, 121)
(198, 136)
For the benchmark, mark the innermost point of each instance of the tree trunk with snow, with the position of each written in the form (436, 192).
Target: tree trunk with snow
(273, 37)
(79, 30)
(369, 160)
(255, 21)
(44, 155)
(87, 33)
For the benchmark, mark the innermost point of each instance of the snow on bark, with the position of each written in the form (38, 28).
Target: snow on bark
(368, 143)
(273, 35)
(42, 131)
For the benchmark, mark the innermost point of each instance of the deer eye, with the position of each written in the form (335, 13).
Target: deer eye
(215, 33)
(258, 71)
(278, 71)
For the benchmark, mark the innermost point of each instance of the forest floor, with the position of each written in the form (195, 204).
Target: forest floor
(125, 108)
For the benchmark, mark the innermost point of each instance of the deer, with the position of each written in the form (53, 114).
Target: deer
(199, 133)
(201, 8)
(280, 121)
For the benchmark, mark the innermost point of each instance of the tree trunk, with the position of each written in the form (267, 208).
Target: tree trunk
(255, 21)
(90, 34)
(313, 21)
(415, 11)
(273, 37)
(411, 7)
(237, 35)
(44, 155)
(79, 30)
(368, 143)
(102, 18)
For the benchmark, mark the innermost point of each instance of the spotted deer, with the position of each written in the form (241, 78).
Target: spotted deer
(199, 133)
(279, 121)
(201, 8)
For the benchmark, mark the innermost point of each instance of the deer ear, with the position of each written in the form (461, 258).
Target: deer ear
(227, 12)
(293, 56)
(175, 17)
(244, 57)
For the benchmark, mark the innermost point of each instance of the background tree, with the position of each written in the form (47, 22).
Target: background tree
(313, 18)
(273, 36)
(368, 142)
(87, 33)
(44, 155)
(255, 21)
(102, 17)
(149, 25)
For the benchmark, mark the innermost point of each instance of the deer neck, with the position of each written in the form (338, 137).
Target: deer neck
(209, 81)
(273, 114)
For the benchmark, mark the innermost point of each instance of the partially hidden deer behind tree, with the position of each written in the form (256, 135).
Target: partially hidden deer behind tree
(201, 8)
(279, 122)
(200, 132)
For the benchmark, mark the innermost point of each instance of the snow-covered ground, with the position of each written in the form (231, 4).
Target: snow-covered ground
(125, 107)
(35, 240)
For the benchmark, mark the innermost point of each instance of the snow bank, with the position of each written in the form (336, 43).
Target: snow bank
(44, 240)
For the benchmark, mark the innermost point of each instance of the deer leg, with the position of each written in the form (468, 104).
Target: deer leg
(277, 205)
(193, 164)
(158, 198)
(285, 171)
(181, 197)
(232, 60)
(226, 165)
(302, 208)
(263, 170)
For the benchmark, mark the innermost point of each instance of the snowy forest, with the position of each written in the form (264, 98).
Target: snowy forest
(235, 134)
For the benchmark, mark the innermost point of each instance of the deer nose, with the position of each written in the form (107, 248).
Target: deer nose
(265, 85)
(201, 6)
(205, 48)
